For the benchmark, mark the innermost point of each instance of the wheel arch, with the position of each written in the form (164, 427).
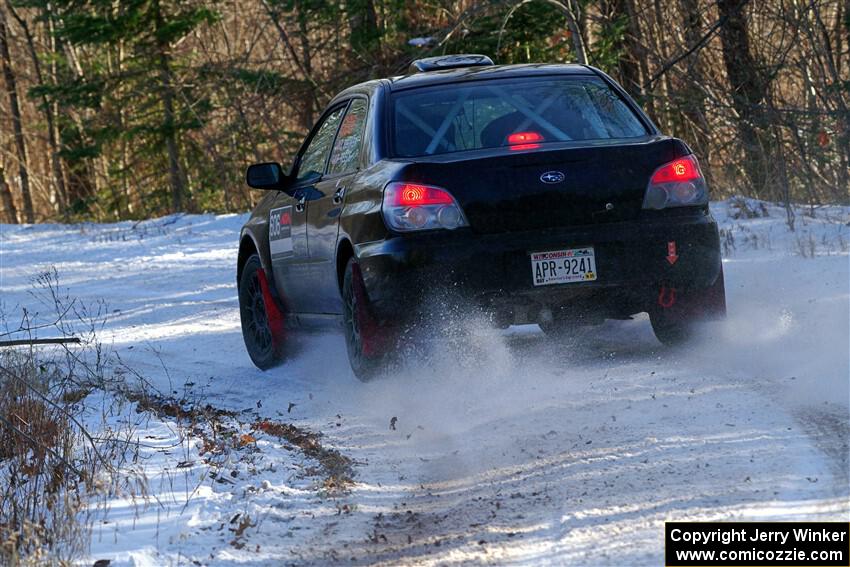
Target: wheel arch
(344, 252)
(247, 247)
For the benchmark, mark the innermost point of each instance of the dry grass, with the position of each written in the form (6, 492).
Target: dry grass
(54, 474)
(69, 434)
(42, 475)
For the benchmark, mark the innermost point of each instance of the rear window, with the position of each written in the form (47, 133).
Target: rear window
(490, 114)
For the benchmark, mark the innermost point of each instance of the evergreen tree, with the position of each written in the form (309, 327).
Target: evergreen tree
(129, 73)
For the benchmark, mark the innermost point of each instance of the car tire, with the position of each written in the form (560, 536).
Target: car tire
(262, 325)
(671, 332)
(362, 334)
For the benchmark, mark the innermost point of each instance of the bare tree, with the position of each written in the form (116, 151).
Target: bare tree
(748, 90)
(6, 196)
(15, 116)
(49, 109)
(692, 95)
(175, 173)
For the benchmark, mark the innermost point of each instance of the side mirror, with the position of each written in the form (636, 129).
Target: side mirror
(267, 176)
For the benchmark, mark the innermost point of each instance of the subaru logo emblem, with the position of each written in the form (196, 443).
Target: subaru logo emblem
(551, 177)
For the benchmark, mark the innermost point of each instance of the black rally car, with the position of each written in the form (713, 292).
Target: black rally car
(536, 193)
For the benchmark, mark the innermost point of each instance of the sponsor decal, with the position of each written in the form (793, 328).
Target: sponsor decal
(280, 231)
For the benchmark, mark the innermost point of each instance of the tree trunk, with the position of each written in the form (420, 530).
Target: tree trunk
(8, 202)
(304, 66)
(692, 95)
(571, 10)
(832, 56)
(364, 33)
(844, 175)
(842, 26)
(637, 58)
(749, 94)
(15, 110)
(307, 59)
(628, 65)
(48, 109)
(175, 176)
(663, 108)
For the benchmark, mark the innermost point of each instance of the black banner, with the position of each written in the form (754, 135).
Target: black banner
(757, 544)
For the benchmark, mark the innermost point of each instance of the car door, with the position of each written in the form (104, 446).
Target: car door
(294, 274)
(288, 248)
(324, 209)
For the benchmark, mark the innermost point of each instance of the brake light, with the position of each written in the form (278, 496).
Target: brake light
(413, 206)
(678, 183)
(685, 169)
(408, 194)
(524, 140)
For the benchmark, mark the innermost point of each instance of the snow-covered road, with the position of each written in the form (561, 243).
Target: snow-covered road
(513, 449)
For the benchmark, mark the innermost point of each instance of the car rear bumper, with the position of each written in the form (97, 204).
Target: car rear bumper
(405, 274)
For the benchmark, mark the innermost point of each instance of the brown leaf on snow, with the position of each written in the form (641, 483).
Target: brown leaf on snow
(337, 467)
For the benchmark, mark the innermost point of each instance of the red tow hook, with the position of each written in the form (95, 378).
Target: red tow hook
(275, 316)
(667, 296)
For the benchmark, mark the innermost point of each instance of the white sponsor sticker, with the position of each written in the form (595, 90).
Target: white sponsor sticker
(280, 231)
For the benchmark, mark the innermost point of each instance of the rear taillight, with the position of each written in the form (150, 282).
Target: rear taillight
(413, 206)
(676, 184)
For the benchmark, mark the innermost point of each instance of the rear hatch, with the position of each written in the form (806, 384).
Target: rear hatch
(530, 152)
(504, 190)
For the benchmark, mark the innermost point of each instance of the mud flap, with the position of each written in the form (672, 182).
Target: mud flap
(705, 304)
(714, 298)
(275, 315)
(374, 338)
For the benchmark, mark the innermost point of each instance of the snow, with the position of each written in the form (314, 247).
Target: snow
(421, 41)
(509, 448)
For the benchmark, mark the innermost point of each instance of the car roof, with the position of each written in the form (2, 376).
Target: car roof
(361, 88)
(462, 74)
(486, 72)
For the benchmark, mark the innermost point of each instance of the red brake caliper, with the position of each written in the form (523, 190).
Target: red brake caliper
(273, 312)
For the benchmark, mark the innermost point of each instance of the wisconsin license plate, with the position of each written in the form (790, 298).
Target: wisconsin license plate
(563, 266)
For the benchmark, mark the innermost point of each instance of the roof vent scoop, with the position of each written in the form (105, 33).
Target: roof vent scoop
(448, 62)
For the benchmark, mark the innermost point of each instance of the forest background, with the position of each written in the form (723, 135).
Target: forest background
(127, 109)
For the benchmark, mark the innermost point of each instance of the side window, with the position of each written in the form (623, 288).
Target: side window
(315, 156)
(346, 151)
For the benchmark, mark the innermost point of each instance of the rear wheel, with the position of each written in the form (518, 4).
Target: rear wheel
(262, 333)
(362, 333)
(671, 331)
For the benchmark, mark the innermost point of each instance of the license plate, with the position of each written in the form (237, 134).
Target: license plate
(563, 266)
